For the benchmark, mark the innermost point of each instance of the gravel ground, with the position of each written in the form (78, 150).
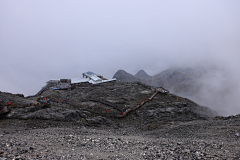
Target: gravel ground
(43, 139)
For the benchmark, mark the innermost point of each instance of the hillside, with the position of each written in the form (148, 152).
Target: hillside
(83, 123)
(108, 100)
(209, 86)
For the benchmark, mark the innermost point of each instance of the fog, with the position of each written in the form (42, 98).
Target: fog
(43, 40)
(219, 89)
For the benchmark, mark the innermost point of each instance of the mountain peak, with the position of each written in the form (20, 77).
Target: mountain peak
(142, 74)
(124, 76)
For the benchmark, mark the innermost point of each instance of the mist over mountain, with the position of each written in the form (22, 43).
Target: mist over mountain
(209, 86)
(104, 36)
(177, 80)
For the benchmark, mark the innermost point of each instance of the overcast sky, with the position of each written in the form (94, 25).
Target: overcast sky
(43, 40)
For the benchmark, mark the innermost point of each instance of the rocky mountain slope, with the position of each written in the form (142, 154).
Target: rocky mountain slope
(93, 103)
(81, 124)
(209, 86)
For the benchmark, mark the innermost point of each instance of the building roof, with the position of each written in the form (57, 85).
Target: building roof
(94, 78)
(79, 80)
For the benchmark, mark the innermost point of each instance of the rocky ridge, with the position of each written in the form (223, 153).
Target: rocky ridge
(88, 101)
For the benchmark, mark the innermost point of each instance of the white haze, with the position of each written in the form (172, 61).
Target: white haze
(43, 40)
(220, 89)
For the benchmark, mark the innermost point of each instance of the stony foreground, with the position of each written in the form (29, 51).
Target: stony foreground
(82, 124)
(43, 139)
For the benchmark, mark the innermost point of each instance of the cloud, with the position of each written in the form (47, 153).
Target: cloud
(219, 89)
